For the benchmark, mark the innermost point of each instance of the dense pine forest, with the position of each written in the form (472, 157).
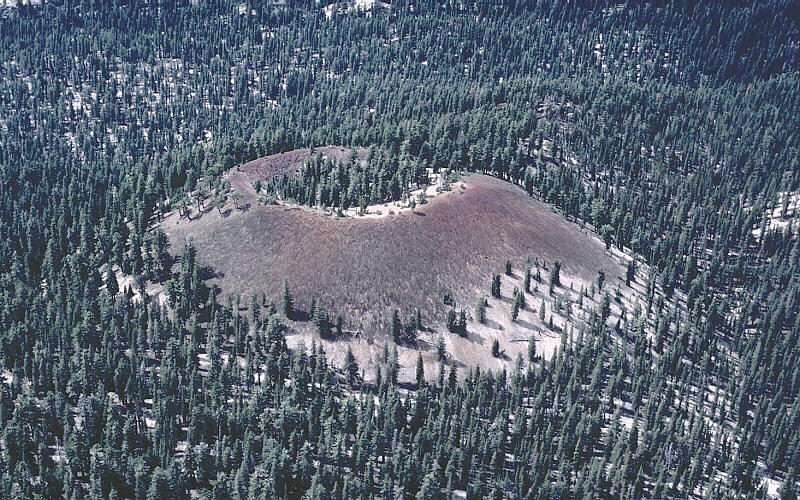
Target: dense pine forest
(670, 129)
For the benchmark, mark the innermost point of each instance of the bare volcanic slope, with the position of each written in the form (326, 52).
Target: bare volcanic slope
(365, 267)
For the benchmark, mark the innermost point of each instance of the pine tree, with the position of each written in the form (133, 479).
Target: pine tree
(532, 349)
(441, 349)
(452, 321)
(237, 198)
(480, 310)
(397, 327)
(411, 330)
(496, 286)
(220, 201)
(111, 282)
(288, 302)
(519, 298)
(420, 371)
(555, 274)
(526, 285)
(601, 279)
(351, 367)
(339, 322)
(630, 272)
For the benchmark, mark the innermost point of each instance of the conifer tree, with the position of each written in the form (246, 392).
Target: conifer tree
(496, 286)
(420, 371)
(441, 349)
(630, 272)
(480, 310)
(532, 349)
(397, 326)
(351, 368)
(555, 274)
(601, 279)
(339, 322)
(111, 282)
(526, 285)
(287, 301)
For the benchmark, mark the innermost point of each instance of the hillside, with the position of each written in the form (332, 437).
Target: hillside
(366, 267)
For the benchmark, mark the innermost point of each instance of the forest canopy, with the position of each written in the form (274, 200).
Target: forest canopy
(668, 128)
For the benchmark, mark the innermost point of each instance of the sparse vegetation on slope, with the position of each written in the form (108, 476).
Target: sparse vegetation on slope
(364, 269)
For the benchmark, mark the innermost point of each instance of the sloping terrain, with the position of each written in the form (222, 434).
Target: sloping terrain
(366, 267)
(290, 162)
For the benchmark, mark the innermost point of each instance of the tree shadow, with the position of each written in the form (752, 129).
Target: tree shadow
(300, 316)
(474, 338)
(494, 325)
(455, 362)
(420, 214)
(409, 386)
(344, 336)
(208, 272)
(226, 213)
(526, 324)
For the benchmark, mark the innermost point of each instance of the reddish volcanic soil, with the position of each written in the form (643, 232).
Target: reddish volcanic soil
(366, 267)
